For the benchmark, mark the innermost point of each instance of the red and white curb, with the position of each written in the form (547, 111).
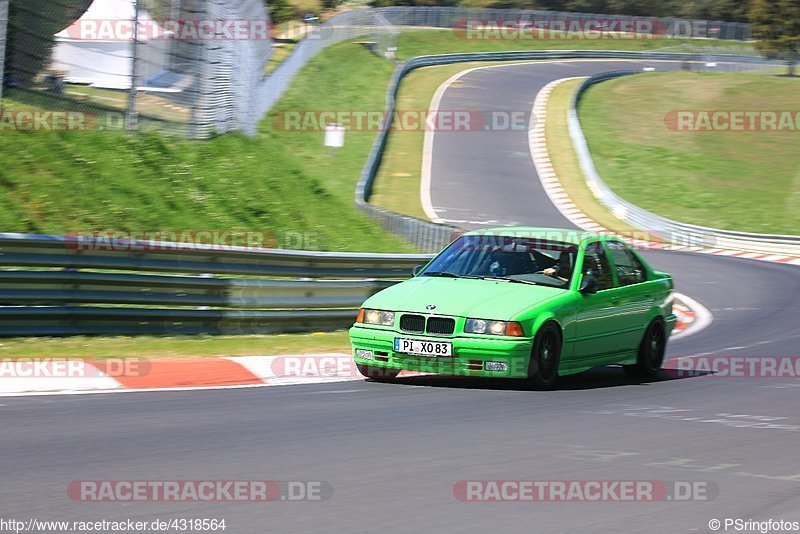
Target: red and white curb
(537, 142)
(685, 316)
(692, 316)
(59, 376)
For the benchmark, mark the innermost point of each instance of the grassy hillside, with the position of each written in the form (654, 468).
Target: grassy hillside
(739, 180)
(278, 181)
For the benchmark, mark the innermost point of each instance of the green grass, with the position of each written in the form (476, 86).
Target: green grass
(415, 43)
(147, 103)
(324, 85)
(565, 161)
(747, 181)
(174, 346)
(277, 182)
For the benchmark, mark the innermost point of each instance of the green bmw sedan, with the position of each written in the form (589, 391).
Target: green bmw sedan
(519, 302)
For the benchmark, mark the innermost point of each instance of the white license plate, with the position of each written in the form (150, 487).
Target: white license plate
(423, 348)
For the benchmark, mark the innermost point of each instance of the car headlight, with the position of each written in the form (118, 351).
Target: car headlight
(493, 328)
(379, 317)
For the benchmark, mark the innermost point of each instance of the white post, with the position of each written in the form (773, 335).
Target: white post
(132, 116)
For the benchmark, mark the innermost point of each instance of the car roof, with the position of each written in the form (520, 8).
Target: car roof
(571, 235)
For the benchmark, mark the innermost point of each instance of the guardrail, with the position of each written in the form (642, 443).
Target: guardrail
(85, 286)
(71, 291)
(429, 236)
(670, 231)
(25, 250)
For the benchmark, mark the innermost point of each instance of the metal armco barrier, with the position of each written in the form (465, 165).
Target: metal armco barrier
(670, 231)
(58, 287)
(86, 296)
(23, 250)
(90, 320)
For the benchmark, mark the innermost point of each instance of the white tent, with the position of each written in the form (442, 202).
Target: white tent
(95, 50)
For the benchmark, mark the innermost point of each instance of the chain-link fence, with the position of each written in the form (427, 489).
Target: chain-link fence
(200, 67)
(186, 66)
(3, 31)
(343, 27)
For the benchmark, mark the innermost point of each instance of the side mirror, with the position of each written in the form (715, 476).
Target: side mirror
(588, 285)
(415, 271)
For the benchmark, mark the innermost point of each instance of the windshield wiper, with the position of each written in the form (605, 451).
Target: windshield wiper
(445, 274)
(505, 279)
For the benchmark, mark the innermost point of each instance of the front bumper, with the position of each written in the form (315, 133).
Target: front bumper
(470, 353)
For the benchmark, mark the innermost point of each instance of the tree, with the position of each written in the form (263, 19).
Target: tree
(280, 10)
(776, 25)
(729, 10)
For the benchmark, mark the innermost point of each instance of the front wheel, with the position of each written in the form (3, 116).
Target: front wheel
(651, 352)
(381, 374)
(545, 357)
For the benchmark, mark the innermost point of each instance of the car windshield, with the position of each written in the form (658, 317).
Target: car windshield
(515, 259)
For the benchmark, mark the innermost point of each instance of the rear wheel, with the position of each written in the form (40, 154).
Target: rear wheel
(545, 357)
(651, 352)
(381, 374)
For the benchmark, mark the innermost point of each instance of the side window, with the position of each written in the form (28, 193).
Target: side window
(629, 269)
(595, 264)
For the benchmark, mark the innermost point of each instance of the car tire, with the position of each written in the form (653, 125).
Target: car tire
(651, 352)
(545, 357)
(380, 374)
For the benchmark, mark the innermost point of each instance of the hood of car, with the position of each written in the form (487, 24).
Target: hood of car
(483, 299)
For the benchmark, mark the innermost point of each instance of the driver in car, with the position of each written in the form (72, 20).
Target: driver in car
(562, 270)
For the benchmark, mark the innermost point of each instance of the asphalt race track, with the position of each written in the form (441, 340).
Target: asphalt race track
(394, 452)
